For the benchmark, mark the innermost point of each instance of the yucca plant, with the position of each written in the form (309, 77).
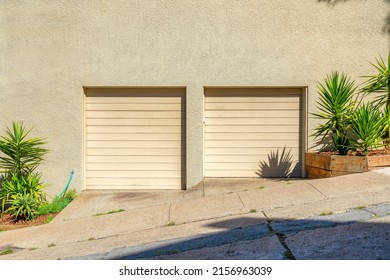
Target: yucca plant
(367, 125)
(335, 106)
(379, 84)
(18, 154)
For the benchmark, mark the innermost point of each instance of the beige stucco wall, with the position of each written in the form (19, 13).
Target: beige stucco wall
(51, 49)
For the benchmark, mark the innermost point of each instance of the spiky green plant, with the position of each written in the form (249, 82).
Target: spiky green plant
(18, 154)
(20, 185)
(367, 125)
(23, 206)
(379, 83)
(335, 106)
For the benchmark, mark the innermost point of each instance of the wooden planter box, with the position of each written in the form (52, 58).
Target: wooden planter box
(322, 166)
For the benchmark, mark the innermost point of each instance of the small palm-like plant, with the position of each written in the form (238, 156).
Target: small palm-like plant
(18, 154)
(335, 106)
(367, 125)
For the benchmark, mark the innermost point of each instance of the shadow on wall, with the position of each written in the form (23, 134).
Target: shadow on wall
(386, 26)
(279, 165)
(323, 145)
(258, 238)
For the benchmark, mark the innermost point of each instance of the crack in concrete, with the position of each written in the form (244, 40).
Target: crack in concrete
(239, 197)
(95, 229)
(370, 212)
(282, 239)
(311, 185)
(169, 212)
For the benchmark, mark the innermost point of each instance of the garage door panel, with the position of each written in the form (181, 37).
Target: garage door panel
(251, 106)
(135, 114)
(251, 136)
(252, 128)
(253, 99)
(247, 151)
(229, 166)
(134, 159)
(252, 121)
(135, 166)
(276, 173)
(134, 107)
(134, 93)
(254, 92)
(123, 99)
(135, 138)
(239, 159)
(122, 183)
(251, 144)
(134, 144)
(252, 114)
(135, 152)
(253, 132)
(135, 174)
(135, 122)
(133, 187)
(135, 129)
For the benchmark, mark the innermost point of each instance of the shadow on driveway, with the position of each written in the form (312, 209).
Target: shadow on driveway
(357, 234)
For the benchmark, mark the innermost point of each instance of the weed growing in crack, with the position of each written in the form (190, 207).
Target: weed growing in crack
(110, 212)
(288, 255)
(6, 252)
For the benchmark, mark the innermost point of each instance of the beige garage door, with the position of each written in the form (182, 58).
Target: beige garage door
(135, 138)
(253, 133)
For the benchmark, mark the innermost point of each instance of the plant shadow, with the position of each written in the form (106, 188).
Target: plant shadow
(280, 164)
(323, 145)
(386, 26)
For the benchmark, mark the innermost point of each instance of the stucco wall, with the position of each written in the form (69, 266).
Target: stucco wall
(51, 49)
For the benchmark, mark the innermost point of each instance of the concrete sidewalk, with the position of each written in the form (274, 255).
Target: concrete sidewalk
(215, 207)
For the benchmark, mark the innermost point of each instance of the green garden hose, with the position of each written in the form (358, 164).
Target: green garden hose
(67, 185)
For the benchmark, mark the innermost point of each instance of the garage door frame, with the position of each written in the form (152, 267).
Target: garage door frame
(84, 127)
(304, 115)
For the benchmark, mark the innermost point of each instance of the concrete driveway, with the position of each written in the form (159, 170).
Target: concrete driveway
(335, 218)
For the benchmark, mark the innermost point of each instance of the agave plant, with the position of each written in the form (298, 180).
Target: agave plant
(335, 106)
(367, 124)
(18, 154)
